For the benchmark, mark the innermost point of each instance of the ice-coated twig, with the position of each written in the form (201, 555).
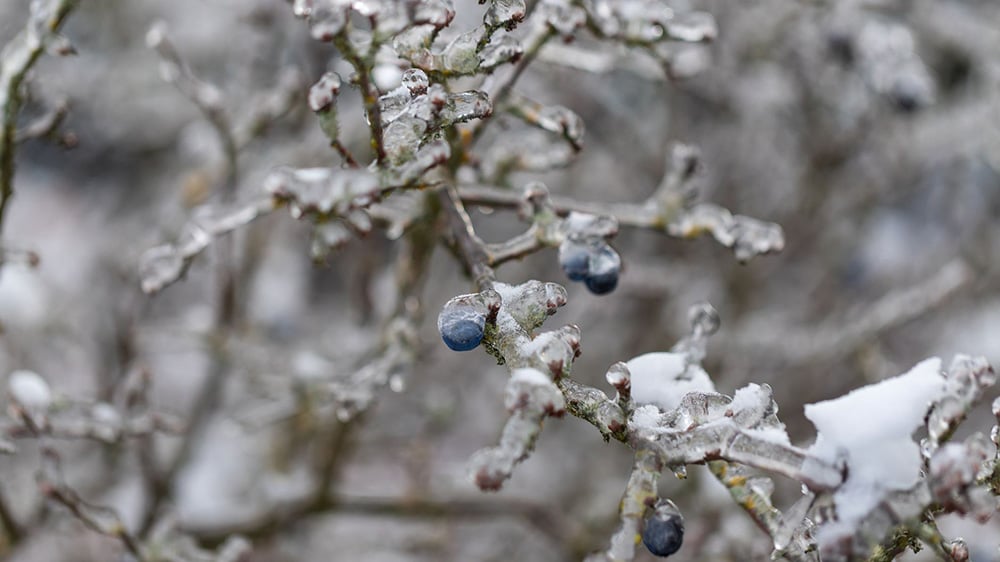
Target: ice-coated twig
(103, 425)
(46, 124)
(369, 93)
(559, 120)
(640, 494)
(530, 397)
(101, 519)
(991, 478)
(669, 210)
(208, 98)
(501, 89)
(950, 486)
(173, 543)
(16, 59)
(723, 439)
(966, 381)
(785, 530)
(161, 266)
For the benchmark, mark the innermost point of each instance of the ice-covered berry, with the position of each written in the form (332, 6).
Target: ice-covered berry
(603, 269)
(574, 258)
(663, 531)
(462, 327)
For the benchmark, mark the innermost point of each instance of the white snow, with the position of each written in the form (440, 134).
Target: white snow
(870, 429)
(29, 390)
(530, 376)
(663, 379)
(752, 397)
(645, 417)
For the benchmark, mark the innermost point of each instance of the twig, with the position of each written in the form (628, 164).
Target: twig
(16, 60)
(11, 527)
(463, 238)
(535, 42)
(101, 519)
(44, 125)
(278, 518)
(369, 94)
(206, 97)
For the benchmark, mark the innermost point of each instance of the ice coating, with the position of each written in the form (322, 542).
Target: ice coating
(662, 379)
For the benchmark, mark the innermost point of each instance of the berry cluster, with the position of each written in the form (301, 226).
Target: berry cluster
(592, 261)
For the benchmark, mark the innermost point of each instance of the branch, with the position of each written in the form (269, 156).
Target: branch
(206, 97)
(101, 519)
(16, 60)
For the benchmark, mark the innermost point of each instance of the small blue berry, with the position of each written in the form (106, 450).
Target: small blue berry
(663, 532)
(604, 267)
(574, 258)
(461, 327)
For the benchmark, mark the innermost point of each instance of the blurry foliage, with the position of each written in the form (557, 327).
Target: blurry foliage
(192, 375)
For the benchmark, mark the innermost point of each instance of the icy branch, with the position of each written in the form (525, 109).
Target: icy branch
(669, 210)
(206, 97)
(16, 59)
(164, 265)
(640, 494)
(101, 519)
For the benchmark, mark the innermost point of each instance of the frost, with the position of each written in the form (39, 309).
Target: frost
(663, 379)
(874, 439)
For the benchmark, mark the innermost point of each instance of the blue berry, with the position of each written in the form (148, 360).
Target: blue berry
(663, 532)
(574, 258)
(461, 327)
(603, 269)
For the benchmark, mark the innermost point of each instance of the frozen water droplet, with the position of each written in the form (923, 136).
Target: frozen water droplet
(397, 383)
(302, 8)
(460, 56)
(502, 49)
(618, 375)
(465, 106)
(324, 91)
(328, 18)
(328, 237)
(415, 81)
(29, 390)
(158, 267)
(504, 13)
(692, 27)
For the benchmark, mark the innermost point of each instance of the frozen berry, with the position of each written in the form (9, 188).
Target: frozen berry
(663, 532)
(603, 269)
(461, 327)
(574, 257)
